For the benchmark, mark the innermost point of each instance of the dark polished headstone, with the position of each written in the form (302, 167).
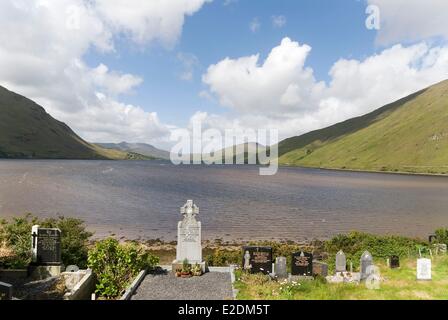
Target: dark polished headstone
(46, 245)
(257, 259)
(302, 264)
(5, 291)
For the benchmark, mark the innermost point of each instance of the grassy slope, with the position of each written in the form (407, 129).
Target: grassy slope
(410, 135)
(397, 284)
(27, 131)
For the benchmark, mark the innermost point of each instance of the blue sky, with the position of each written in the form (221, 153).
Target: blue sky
(333, 28)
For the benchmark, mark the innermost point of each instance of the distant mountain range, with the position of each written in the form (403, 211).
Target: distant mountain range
(140, 148)
(27, 131)
(409, 135)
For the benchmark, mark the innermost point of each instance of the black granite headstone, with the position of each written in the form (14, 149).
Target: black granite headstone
(5, 291)
(257, 259)
(394, 262)
(302, 264)
(47, 247)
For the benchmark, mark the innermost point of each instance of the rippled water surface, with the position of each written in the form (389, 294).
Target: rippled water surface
(142, 199)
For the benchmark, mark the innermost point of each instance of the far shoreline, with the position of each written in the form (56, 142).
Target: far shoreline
(402, 173)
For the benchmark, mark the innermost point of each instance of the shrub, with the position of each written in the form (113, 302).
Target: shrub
(16, 235)
(115, 265)
(442, 235)
(223, 258)
(74, 240)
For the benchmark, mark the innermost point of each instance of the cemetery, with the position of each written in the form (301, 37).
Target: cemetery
(55, 260)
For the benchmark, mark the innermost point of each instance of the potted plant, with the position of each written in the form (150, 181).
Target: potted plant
(196, 270)
(186, 269)
(178, 273)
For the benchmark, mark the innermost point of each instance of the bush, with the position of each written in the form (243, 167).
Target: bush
(74, 240)
(16, 235)
(224, 258)
(115, 266)
(442, 236)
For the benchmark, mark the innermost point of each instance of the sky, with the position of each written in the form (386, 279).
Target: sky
(142, 70)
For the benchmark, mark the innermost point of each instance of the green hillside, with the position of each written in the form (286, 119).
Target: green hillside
(409, 135)
(28, 132)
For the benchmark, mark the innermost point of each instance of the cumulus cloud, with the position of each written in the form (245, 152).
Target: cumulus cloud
(246, 85)
(42, 45)
(411, 20)
(281, 91)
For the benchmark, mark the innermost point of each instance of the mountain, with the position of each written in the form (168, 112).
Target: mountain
(27, 131)
(140, 148)
(409, 135)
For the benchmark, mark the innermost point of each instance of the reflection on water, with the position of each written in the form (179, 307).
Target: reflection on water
(142, 199)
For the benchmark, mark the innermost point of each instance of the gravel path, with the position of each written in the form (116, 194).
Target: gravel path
(210, 286)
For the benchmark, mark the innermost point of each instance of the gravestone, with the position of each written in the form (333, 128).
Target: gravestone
(189, 241)
(424, 269)
(302, 264)
(257, 259)
(5, 291)
(46, 246)
(394, 262)
(341, 262)
(432, 238)
(440, 248)
(320, 269)
(280, 268)
(366, 262)
(46, 253)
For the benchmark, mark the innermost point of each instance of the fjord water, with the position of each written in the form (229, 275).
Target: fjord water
(141, 200)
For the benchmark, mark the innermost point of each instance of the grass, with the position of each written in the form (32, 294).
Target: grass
(397, 284)
(409, 135)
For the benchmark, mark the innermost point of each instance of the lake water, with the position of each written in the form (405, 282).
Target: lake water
(142, 199)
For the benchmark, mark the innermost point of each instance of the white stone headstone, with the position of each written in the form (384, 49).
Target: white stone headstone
(424, 269)
(341, 262)
(189, 235)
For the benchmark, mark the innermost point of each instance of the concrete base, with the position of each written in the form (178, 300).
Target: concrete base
(43, 272)
(300, 278)
(178, 265)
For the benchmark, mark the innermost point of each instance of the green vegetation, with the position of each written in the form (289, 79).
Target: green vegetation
(28, 132)
(116, 265)
(442, 235)
(15, 237)
(409, 135)
(397, 284)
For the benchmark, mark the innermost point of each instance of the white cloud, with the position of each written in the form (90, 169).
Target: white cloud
(411, 20)
(255, 25)
(147, 20)
(282, 93)
(42, 45)
(278, 21)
